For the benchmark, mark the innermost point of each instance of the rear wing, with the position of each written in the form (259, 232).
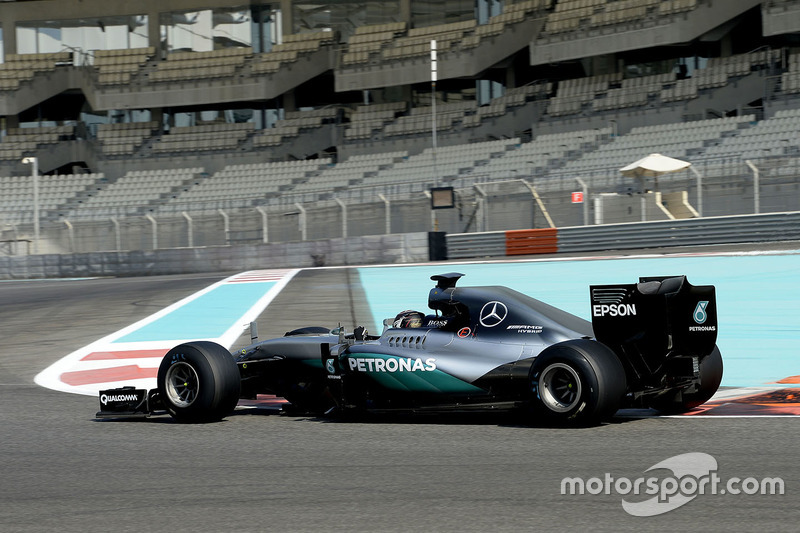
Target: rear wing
(657, 317)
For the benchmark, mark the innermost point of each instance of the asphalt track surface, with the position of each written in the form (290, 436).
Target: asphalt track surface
(60, 470)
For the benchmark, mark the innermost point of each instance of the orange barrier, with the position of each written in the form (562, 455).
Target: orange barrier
(532, 241)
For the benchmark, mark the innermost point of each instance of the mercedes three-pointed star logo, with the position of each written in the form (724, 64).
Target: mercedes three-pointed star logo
(493, 313)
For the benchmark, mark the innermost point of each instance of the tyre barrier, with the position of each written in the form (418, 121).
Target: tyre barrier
(532, 241)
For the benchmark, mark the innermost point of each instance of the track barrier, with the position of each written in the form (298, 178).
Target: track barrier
(771, 227)
(409, 247)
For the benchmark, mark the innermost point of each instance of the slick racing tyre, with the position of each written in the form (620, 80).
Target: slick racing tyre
(579, 381)
(199, 382)
(710, 378)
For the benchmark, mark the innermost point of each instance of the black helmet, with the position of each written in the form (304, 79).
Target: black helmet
(409, 319)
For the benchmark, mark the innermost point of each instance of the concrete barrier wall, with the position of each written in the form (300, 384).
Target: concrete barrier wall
(377, 249)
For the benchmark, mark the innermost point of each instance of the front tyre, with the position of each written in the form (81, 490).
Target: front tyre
(579, 381)
(199, 382)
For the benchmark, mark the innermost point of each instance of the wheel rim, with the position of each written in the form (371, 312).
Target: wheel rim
(181, 384)
(560, 387)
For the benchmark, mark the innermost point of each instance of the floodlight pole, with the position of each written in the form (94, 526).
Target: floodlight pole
(34, 162)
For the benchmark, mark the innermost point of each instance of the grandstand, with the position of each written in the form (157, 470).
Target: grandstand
(242, 115)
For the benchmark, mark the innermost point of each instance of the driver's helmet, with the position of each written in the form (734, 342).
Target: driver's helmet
(409, 319)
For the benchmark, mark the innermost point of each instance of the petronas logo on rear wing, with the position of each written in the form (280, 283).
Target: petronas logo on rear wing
(700, 314)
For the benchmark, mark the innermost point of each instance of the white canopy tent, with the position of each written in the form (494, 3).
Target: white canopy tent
(654, 165)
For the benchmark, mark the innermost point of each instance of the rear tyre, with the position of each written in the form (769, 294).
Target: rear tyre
(199, 382)
(579, 381)
(710, 377)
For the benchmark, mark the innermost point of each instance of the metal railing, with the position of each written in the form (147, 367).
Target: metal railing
(729, 186)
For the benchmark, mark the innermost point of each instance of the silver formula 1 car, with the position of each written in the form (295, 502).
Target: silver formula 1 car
(650, 344)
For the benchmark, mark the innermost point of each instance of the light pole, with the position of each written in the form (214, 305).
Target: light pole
(34, 162)
(434, 77)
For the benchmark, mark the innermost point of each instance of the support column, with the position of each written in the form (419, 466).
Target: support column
(154, 31)
(287, 17)
(288, 100)
(405, 11)
(157, 116)
(510, 78)
(9, 26)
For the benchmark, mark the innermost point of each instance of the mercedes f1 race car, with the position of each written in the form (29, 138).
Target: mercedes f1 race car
(649, 344)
